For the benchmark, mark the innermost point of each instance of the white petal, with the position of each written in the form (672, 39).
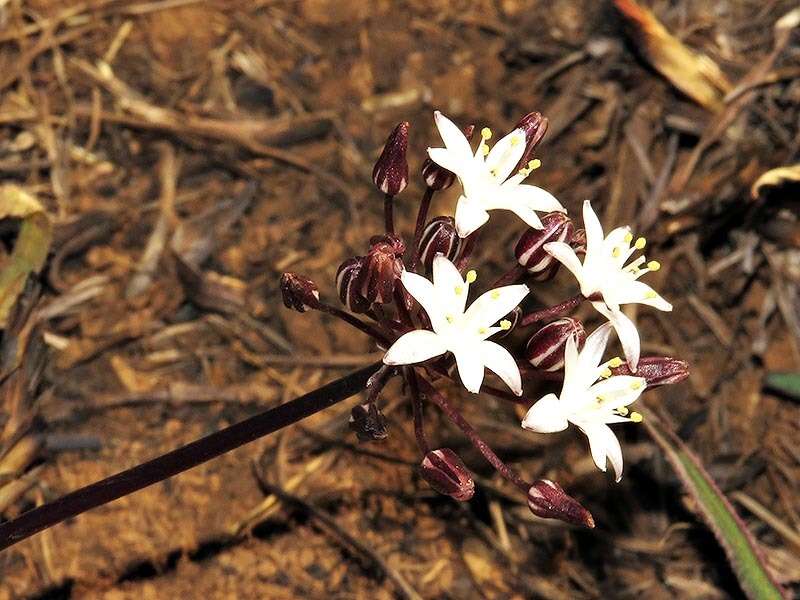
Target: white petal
(424, 292)
(470, 367)
(564, 254)
(546, 416)
(499, 360)
(450, 160)
(451, 288)
(453, 138)
(618, 391)
(495, 304)
(594, 231)
(604, 445)
(594, 348)
(626, 332)
(469, 216)
(534, 198)
(527, 214)
(640, 293)
(413, 347)
(505, 154)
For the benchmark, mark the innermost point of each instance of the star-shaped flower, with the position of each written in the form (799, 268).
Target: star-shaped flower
(462, 332)
(588, 403)
(607, 281)
(486, 177)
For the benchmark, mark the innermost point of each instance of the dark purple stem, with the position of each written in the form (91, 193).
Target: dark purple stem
(388, 212)
(355, 322)
(470, 243)
(416, 406)
(553, 311)
(182, 459)
(472, 434)
(422, 215)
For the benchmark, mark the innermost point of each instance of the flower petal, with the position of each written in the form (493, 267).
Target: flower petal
(626, 332)
(594, 231)
(604, 445)
(564, 254)
(618, 391)
(534, 198)
(413, 347)
(593, 350)
(450, 160)
(639, 292)
(453, 138)
(545, 416)
(451, 288)
(470, 367)
(499, 360)
(469, 216)
(424, 292)
(493, 305)
(505, 154)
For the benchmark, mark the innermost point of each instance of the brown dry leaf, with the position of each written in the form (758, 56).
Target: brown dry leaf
(133, 380)
(31, 247)
(775, 177)
(696, 75)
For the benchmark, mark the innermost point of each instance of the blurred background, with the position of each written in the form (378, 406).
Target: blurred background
(176, 156)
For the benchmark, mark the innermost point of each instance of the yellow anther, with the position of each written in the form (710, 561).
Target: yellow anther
(482, 330)
(654, 265)
(449, 318)
(600, 399)
(524, 172)
(615, 362)
(636, 385)
(622, 411)
(459, 290)
(495, 294)
(505, 324)
(606, 372)
(628, 238)
(471, 276)
(650, 295)
(515, 140)
(616, 252)
(534, 164)
(486, 133)
(485, 150)
(640, 243)
(636, 417)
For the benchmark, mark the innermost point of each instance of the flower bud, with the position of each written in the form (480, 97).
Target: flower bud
(530, 252)
(578, 242)
(348, 284)
(657, 370)
(437, 177)
(548, 500)
(535, 126)
(446, 473)
(368, 423)
(439, 237)
(383, 266)
(390, 174)
(545, 349)
(299, 292)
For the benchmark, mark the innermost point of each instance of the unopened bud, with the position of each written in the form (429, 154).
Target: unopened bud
(578, 242)
(535, 126)
(530, 252)
(437, 177)
(390, 174)
(548, 500)
(439, 237)
(657, 370)
(368, 423)
(348, 285)
(446, 473)
(383, 266)
(299, 292)
(545, 349)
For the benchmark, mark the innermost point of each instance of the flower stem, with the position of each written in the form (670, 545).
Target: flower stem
(388, 212)
(422, 215)
(553, 311)
(354, 321)
(182, 459)
(470, 243)
(416, 405)
(474, 437)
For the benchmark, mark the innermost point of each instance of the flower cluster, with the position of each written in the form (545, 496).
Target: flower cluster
(414, 302)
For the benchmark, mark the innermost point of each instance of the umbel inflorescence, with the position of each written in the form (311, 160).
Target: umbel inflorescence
(415, 303)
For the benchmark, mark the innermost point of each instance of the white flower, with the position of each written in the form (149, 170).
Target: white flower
(462, 332)
(607, 281)
(485, 180)
(588, 403)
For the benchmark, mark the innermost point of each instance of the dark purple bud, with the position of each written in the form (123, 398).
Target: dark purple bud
(439, 237)
(578, 242)
(513, 318)
(368, 423)
(548, 500)
(657, 370)
(530, 252)
(437, 177)
(545, 349)
(299, 292)
(383, 266)
(446, 473)
(391, 170)
(535, 126)
(348, 285)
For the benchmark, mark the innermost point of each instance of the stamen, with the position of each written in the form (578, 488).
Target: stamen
(628, 237)
(654, 265)
(605, 373)
(634, 266)
(459, 290)
(485, 150)
(636, 385)
(650, 295)
(515, 140)
(486, 133)
(482, 331)
(449, 318)
(534, 164)
(495, 295)
(505, 324)
(636, 417)
(622, 411)
(616, 252)
(640, 243)
(472, 275)
(615, 362)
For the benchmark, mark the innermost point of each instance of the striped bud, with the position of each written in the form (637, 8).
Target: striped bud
(438, 237)
(445, 472)
(548, 500)
(383, 266)
(530, 252)
(299, 292)
(657, 370)
(368, 423)
(545, 349)
(535, 126)
(348, 285)
(390, 174)
(437, 177)
(578, 242)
